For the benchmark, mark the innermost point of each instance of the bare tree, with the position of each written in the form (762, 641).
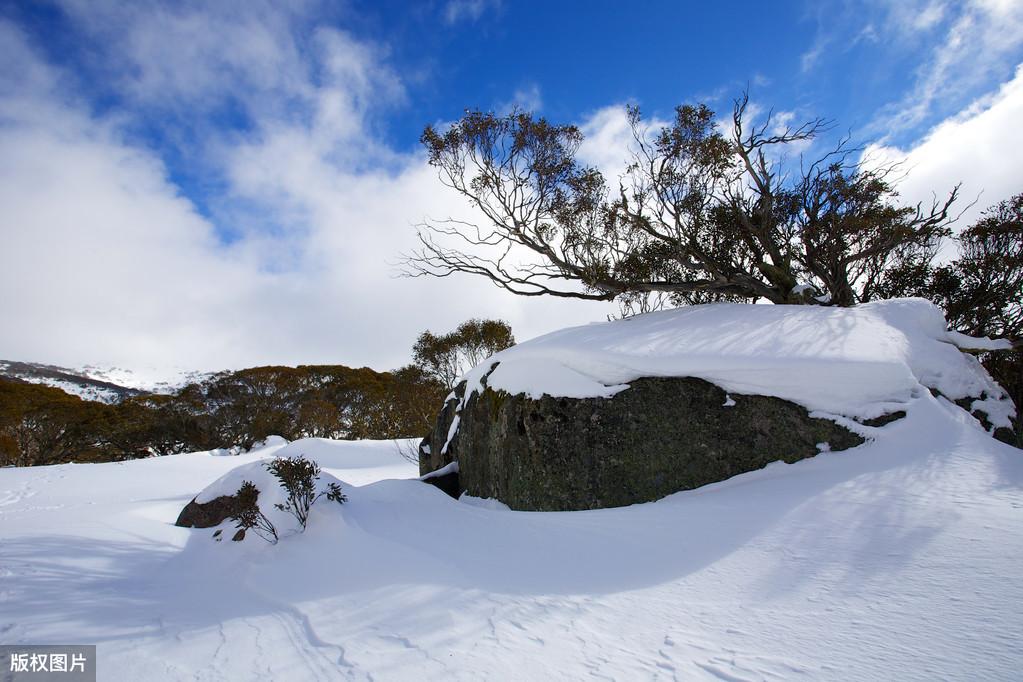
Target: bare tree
(699, 214)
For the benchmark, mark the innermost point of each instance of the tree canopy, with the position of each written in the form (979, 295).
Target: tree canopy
(44, 425)
(447, 357)
(700, 214)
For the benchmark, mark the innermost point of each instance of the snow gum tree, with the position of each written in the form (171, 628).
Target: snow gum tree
(700, 214)
(446, 357)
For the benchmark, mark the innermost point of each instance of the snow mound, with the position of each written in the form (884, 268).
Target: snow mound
(271, 494)
(857, 362)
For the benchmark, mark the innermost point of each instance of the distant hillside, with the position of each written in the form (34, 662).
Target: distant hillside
(73, 382)
(50, 414)
(103, 384)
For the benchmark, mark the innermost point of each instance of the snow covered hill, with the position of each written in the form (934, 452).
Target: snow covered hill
(73, 382)
(102, 384)
(898, 559)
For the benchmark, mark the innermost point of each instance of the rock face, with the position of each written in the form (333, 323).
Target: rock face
(445, 482)
(1004, 433)
(207, 515)
(655, 438)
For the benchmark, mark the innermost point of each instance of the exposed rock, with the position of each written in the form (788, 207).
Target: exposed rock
(207, 515)
(1003, 433)
(884, 419)
(433, 453)
(447, 483)
(659, 436)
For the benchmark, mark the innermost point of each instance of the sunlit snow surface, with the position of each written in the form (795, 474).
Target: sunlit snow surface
(858, 362)
(897, 560)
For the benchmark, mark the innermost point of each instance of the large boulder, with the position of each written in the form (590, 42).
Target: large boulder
(629, 411)
(660, 436)
(208, 514)
(219, 501)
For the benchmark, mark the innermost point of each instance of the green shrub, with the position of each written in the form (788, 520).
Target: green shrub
(298, 477)
(248, 515)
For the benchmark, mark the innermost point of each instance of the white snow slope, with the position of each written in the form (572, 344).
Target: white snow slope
(857, 362)
(900, 559)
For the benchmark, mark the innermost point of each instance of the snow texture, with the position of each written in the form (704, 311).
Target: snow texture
(858, 362)
(83, 391)
(896, 560)
(449, 468)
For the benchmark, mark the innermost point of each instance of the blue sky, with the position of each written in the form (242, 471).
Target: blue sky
(223, 184)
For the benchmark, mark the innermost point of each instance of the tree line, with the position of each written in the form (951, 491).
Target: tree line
(44, 425)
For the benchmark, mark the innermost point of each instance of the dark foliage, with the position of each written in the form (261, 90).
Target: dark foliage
(448, 356)
(701, 214)
(248, 516)
(298, 476)
(334, 493)
(44, 425)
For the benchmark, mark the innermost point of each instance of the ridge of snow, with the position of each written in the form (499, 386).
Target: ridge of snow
(449, 468)
(859, 362)
(965, 342)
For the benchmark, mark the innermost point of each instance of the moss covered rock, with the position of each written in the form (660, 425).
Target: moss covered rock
(659, 436)
(209, 514)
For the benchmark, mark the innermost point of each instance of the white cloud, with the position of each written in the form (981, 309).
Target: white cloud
(467, 10)
(960, 48)
(608, 141)
(106, 261)
(526, 98)
(100, 251)
(974, 48)
(808, 60)
(193, 55)
(978, 148)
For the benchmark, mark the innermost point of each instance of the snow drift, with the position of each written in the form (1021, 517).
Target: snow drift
(857, 362)
(898, 559)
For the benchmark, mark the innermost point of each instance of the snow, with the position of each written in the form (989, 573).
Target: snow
(895, 560)
(150, 378)
(537, 377)
(858, 362)
(898, 559)
(978, 343)
(482, 502)
(800, 288)
(83, 391)
(449, 468)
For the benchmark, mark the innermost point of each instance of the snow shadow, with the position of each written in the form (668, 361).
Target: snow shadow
(852, 514)
(404, 533)
(97, 588)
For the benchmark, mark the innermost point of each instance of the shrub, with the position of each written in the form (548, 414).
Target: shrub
(248, 515)
(298, 477)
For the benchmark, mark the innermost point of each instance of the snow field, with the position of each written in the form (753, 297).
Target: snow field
(899, 559)
(895, 560)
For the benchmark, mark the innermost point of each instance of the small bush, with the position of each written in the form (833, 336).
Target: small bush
(298, 477)
(334, 493)
(248, 515)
